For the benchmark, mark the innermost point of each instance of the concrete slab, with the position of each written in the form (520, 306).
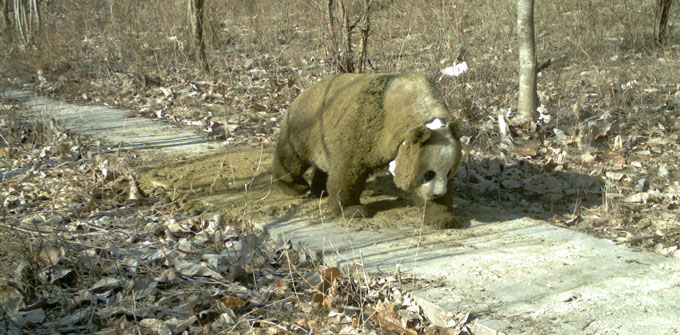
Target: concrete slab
(114, 127)
(517, 275)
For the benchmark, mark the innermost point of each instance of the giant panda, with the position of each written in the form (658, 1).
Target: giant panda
(349, 126)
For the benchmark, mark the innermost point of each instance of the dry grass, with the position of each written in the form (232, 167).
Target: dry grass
(101, 38)
(407, 35)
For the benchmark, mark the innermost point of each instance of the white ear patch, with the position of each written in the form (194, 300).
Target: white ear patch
(435, 124)
(393, 164)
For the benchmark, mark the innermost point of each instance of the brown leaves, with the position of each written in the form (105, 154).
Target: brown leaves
(374, 303)
(328, 287)
(389, 319)
(50, 255)
(189, 274)
(399, 321)
(611, 166)
(232, 302)
(242, 107)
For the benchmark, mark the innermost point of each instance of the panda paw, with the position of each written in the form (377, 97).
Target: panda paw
(442, 220)
(354, 212)
(294, 189)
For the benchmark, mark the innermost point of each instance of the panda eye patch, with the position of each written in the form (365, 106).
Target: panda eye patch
(429, 175)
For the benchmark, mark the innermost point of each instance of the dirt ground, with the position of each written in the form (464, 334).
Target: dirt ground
(238, 183)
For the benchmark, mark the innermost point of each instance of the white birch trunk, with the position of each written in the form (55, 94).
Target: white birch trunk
(528, 100)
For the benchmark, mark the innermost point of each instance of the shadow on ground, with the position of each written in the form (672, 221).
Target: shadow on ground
(237, 182)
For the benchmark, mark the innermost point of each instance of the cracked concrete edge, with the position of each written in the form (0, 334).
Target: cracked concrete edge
(314, 254)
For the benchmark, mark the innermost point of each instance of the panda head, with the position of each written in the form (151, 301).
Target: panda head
(427, 159)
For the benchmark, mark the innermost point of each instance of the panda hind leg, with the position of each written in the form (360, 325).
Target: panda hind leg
(288, 170)
(345, 185)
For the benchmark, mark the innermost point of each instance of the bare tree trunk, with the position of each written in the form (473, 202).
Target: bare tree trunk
(26, 19)
(528, 99)
(34, 13)
(4, 9)
(662, 10)
(196, 20)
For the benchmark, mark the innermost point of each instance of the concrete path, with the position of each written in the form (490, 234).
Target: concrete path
(112, 125)
(517, 275)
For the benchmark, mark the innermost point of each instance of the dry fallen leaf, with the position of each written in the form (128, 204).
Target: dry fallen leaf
(638, 198)
(330, 274)
(616, 176)
(389, 319)
(142, 287)
(53, 274)
(135, 193)
(50, 255)
(11, 299)
(156, 326)
(190, 269)
(27, 319)
(106, 284)
(232, 302)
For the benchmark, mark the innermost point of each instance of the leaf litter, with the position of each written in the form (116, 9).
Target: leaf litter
(604, 164)
(87, 257)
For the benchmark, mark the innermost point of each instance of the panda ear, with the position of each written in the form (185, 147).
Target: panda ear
(418, 135)
(454, 127)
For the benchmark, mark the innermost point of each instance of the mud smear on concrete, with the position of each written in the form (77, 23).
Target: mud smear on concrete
(238, 184)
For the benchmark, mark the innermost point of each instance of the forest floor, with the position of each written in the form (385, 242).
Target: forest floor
(83, 229)
(87, 250)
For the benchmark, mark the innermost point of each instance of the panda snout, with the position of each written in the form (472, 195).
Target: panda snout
(434, 191)
(437, 194)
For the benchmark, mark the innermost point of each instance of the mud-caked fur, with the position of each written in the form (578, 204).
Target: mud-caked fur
(350, 125)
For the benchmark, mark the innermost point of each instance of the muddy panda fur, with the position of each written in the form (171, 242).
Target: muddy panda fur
(351, 125)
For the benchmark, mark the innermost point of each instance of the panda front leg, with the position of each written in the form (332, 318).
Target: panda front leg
(439, 211)
(345, 185)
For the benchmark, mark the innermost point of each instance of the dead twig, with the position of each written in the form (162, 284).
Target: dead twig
(549, 62)
(638, 238)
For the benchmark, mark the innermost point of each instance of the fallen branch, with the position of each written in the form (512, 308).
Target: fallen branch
(549, 62)
(634, 239)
